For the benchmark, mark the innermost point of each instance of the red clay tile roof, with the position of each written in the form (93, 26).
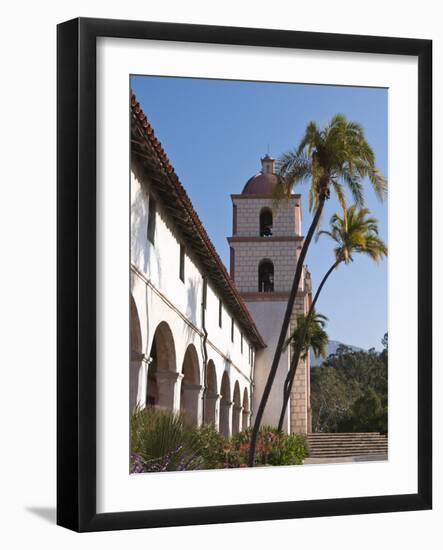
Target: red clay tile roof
(217, 272)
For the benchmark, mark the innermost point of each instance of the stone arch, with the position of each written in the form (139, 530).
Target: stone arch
(190, 394)
(246, 412)
(266, 220)
(266, 276)
(225, 406)
(162, 370)
(136, 353)
(211, 395)
(236, 411)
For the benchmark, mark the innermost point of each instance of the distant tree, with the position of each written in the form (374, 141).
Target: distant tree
(349, 392)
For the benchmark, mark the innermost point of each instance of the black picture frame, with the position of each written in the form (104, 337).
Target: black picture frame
(76, 266)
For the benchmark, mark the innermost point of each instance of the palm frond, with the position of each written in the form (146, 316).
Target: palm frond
(316, 337)
(355, 231)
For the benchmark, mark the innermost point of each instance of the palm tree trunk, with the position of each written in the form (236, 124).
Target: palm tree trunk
(299, 346)
(285, 326)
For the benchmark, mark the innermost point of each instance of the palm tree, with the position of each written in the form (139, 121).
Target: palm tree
(316, 336)
(355, 232)
(333, 157)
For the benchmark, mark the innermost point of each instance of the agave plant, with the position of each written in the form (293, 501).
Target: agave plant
(162, 441)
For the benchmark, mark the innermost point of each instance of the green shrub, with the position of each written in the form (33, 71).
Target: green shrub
(273, 447)
(212, 446)
(162, 441)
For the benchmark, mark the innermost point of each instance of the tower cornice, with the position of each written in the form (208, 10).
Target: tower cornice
(252, 197)
(271, 239)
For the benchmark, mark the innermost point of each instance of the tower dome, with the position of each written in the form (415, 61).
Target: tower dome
(264, 182)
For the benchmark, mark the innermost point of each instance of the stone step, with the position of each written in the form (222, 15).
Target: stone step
(357, 446)
(338, 434)
(353, 436)
(340, 455)
(349, 442)
(324, 445)
(346, 444)
(344, 440)
(348, 450)
(357, 439)
(357, 449)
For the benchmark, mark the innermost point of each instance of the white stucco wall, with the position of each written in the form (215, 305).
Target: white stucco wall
(160, 295)
(268, 317)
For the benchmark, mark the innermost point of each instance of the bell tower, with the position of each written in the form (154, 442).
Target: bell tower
(264, 248)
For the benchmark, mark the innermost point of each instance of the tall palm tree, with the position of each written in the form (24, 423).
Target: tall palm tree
(354, 232)
(333, 157)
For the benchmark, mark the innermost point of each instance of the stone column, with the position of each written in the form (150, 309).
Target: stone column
(138, 379)
(212, 409)
(169, 385)
(143, 381)
(236, 418)
(245, 420)
(226, 418)
(192, 404)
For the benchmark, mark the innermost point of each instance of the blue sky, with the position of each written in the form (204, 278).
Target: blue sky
(215, 131)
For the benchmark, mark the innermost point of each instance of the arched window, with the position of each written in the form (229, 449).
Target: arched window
(265, 222)
(266, 276)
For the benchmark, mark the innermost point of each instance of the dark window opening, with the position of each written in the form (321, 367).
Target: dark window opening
(220, 313)
(151, 388)
(232, 329)
(266, 276)
(266, 222)
(151, 219)
(241, 342)
(182, 263)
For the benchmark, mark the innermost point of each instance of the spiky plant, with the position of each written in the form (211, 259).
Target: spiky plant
(162, 441)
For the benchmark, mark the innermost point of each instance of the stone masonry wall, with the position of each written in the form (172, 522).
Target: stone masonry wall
(248, 255)
(285, 220)
(300, 395)
(283, 249)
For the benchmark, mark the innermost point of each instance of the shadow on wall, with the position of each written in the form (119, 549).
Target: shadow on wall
(142, 251)
(191, 305)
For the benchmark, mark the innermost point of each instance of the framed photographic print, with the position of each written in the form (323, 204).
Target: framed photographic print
(244, 274)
